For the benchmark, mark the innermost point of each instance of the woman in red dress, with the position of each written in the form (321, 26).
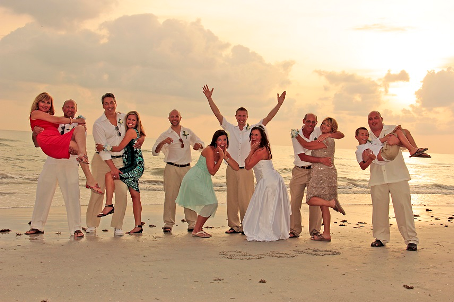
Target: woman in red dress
(58, 145)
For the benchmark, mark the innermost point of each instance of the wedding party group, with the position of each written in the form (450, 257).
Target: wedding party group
(261, 209)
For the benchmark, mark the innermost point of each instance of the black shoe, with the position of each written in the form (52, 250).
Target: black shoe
(412, 247)
(137, 232)
(108, 213)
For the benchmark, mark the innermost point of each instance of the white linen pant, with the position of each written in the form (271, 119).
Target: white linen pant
(65, 172)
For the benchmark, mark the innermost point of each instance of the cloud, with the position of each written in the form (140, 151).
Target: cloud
(379, 27)
(59, 14)
(353, 93)
(402, 76)
(155, 65)
(437, 90)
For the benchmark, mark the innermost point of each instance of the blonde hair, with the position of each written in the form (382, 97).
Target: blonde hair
(139, 126)
(333, 123)
(43, 96)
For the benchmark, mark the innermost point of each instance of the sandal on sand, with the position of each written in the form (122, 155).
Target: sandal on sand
(377, 243)
(338, 207)
(78, 234)
(231, 231)
(34, 232)
(108, 213)
(95, 189)
(321, 238)
(419, 152)
(166, 229)
(292, 235)
(201, 234)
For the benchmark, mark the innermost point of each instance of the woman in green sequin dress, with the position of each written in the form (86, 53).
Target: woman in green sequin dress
(131, 171)
(196, 190)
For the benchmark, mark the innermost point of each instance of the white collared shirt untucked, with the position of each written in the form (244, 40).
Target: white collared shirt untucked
(298, 149)
(105, 133)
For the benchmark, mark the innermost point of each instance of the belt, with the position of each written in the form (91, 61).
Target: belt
(179, 166)
(305, 167)
(112, 156)
(242, 168)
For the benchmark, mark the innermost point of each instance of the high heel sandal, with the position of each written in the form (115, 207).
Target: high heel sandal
(108, 213)
(95, 189)
(137, 232)
(83, 159)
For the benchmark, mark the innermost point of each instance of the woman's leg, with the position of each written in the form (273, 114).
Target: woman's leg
(199, 224)
(110, 188)
(326, 215)
(136, 209)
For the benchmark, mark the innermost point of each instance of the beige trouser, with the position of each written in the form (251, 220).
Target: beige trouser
(66, 173)
(240, 187)
(400, 194)
(300, 180)
(172, 181)
(99, 169)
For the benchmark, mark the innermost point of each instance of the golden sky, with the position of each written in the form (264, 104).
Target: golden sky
(339, 59)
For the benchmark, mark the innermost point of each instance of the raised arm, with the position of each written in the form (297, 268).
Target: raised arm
(280, 101)
(208, 93)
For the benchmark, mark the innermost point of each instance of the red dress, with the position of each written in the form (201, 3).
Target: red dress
(51, 141)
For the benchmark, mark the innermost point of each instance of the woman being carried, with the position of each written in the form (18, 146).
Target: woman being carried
(196, 190)
(267, 217)
(57, 145)
(322, 189)
(131, 172)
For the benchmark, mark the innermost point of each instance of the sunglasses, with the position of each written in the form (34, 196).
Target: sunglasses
(182, 144)
(118, 130)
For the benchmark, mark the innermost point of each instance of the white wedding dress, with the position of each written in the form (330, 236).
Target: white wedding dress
(268, 215)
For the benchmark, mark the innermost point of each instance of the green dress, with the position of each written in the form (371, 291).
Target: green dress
(133, 164)
(196, 190)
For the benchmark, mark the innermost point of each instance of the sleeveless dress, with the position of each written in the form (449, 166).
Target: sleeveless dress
(133, 164)
(323, 181)
(267, 217)
(196, 190)
(51, 141)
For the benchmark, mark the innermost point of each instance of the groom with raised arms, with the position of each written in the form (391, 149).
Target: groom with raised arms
(240, 184)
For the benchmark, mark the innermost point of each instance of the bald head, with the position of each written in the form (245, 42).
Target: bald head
(174, 118)
(69, 108)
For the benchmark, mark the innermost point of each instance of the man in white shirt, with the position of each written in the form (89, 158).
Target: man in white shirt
(240, 184)
(65, 172)
(108, 129)
(391, 178)
(176, 144)
(301, 174)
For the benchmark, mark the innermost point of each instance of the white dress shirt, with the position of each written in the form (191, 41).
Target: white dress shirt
(105, 133)
(239, 144)
(173, 152)
(393, 171)
(298, 149)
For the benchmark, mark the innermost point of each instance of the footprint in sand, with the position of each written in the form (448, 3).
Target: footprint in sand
(318, 252)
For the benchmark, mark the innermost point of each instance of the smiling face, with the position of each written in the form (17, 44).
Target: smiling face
(309, 121)
(221, 142)
(326, 127)
(241, 118)
(256, 136)
(362, 137)
(131, 121)
(45, 105)
(110, 106)
(174, 118)
(69, 109)
(375, 121)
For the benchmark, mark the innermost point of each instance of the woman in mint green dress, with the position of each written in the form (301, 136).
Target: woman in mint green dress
(196, 190)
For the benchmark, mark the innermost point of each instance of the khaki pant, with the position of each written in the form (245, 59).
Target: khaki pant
(298, 183)
(66, 173)
(173, 177)
(99, 169)
(240, 187)
(400, 193)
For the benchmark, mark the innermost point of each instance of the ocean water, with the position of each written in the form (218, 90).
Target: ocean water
(432, 179)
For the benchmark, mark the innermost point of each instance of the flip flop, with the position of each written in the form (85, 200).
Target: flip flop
(377, 243)
(292, 235)
(419, 152)
(34, 232)
(201, 234)
(166, 229)
(78, 234)
(231, 231)
(95, 189)
(321, 238)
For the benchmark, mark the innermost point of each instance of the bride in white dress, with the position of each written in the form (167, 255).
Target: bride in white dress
(268, 215)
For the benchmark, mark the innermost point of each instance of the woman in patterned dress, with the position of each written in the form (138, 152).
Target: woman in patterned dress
(131, 172)
(322, 189)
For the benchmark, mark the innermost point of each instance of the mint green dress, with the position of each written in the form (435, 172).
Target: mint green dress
(196, 190)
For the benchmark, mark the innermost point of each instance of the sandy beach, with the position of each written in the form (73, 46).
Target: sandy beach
(175, 267)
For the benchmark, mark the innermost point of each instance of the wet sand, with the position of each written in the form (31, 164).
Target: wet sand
(175, 267)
